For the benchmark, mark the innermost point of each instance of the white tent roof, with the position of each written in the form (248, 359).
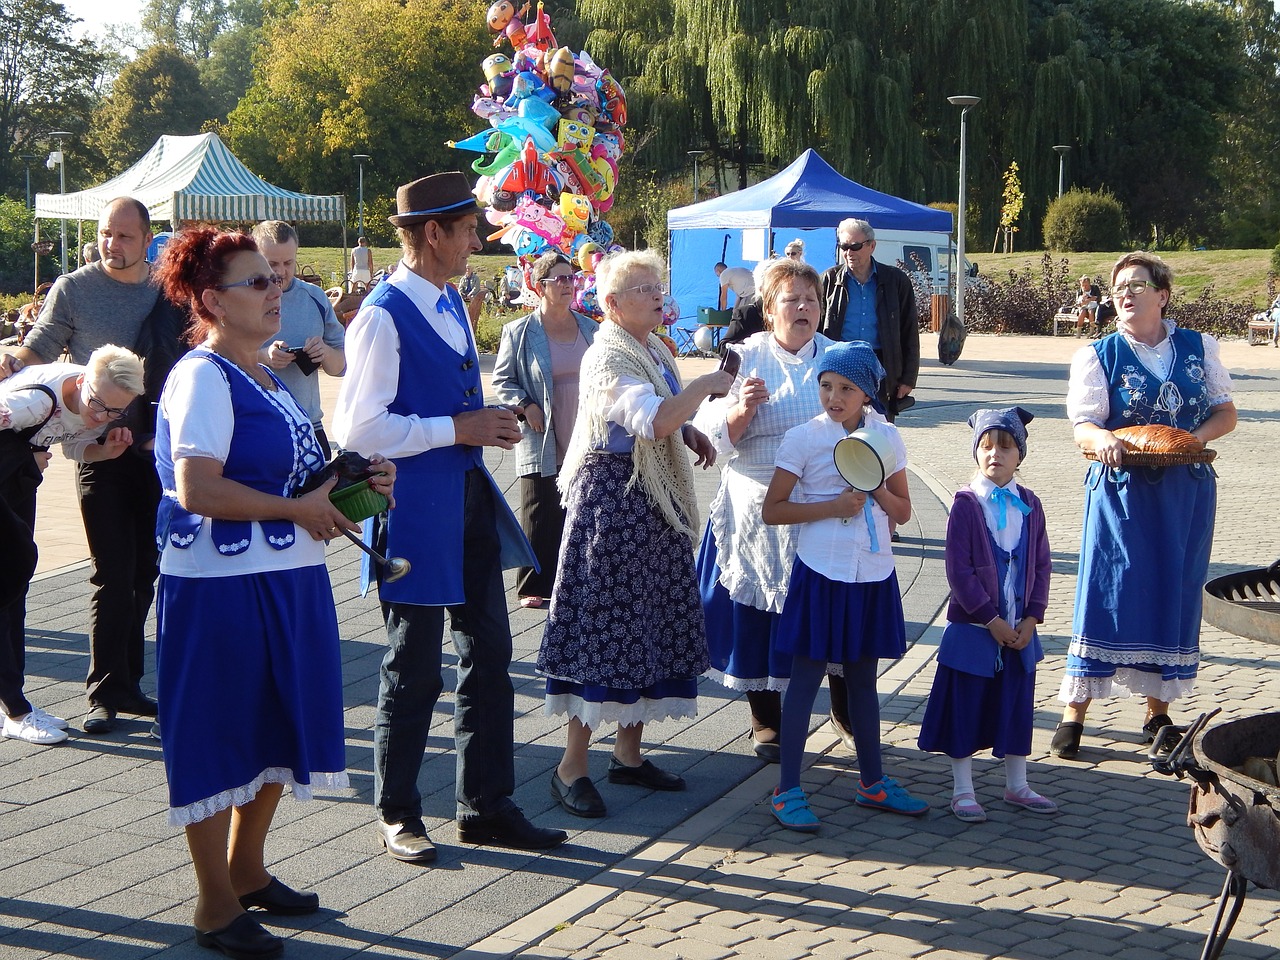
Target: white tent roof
(193, 178)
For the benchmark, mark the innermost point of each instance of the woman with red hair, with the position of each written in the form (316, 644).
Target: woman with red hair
(250, 707)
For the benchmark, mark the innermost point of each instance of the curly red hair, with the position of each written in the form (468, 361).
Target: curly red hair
(195, 261)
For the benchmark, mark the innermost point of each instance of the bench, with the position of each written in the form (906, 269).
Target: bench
(1262, 331)
(1065, 317)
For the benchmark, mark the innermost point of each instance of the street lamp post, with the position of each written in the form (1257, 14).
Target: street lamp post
(695, 154)
(360, 158)
(59, 135)
(26, 159)
(966, 104)
(1061, 149)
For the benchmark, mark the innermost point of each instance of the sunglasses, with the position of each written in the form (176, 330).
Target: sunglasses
(258, 283)
(852, 247)
(561, 280)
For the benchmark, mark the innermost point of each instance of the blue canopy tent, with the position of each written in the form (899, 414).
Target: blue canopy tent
(805, 201)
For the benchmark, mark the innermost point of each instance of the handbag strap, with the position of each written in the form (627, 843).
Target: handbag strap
(29, 432)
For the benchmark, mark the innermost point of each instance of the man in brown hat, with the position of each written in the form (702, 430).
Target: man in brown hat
(413, 392)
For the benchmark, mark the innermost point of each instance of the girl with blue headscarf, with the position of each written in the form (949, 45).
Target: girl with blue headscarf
(843, 605)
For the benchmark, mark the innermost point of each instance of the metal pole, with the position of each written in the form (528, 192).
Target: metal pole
(695, 154)
(965, 103)
(1061, 150)
(62, 179)
(360, 158)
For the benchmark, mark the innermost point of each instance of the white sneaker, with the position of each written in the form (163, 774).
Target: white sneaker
(46, 719)
(31, 730)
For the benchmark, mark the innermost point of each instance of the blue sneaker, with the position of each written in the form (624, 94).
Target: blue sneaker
(792, 810)
(887, 794)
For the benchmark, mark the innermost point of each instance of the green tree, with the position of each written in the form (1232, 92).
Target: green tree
(1011, 208)
(1082, 220)
(336, 79)
(190, 26)
(159, 93)
(47, 82)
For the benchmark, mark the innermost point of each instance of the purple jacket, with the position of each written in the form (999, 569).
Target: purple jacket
(971, 565)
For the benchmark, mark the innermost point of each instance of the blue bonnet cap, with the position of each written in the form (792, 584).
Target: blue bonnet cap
(1012, 420)
(857, 362)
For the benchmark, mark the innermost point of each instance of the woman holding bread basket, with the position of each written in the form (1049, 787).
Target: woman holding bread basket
(1143, 401)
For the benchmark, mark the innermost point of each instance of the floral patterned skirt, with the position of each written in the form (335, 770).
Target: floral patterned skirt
(624, 639)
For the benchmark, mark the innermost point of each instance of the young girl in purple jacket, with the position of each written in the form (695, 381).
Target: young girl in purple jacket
(997, 559)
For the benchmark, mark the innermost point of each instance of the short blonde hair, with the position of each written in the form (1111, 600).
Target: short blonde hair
(616, 270)
(776, 275)
(119, 367)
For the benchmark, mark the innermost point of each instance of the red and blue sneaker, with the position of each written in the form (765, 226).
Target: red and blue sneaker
(792, 810)
(887, 794)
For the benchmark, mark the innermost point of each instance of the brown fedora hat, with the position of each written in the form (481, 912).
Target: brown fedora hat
(433, 197)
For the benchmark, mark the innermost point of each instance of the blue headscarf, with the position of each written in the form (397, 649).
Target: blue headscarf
(857, 362)
(1012, 420)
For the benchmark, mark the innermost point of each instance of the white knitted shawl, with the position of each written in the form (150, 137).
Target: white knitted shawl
(661, 467)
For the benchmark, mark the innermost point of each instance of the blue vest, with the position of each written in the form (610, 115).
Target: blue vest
(1139, 396)
(426, 527)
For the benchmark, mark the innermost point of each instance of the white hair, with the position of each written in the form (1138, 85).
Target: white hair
(116, 365)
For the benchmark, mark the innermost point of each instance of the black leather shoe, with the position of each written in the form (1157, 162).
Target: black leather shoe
(843, 732)
(277, 898)
(581, 798)
(242, 939)
(1066, 740)
(510, 828)
(99, 720)
(138, 705)
(645, 775)
(1151, 729)
(407, 841)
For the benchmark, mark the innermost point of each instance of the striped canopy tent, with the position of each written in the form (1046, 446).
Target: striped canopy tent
(193, 178)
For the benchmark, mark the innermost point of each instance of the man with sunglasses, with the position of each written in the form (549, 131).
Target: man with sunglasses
(113, 301)
(872, 301)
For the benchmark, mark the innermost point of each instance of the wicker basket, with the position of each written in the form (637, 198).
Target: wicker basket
(1134, 458)
(358, 502)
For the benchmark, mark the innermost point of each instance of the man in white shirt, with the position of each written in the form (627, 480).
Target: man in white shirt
(413, 392)
(737, 279)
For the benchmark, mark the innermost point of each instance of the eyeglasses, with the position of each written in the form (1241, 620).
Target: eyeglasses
(258, 283)
(853, 247)
(113, 413)
(648, 289)
(563, 280)
(1133, 287)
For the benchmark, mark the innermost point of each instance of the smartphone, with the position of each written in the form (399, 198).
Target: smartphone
(303, 361)
(730, 362)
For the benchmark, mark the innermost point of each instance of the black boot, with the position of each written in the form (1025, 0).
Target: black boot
(766, 719)
(840, 710)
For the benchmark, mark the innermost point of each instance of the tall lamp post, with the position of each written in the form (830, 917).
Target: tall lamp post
(360, 158)
(26, 159)
(1061, 150)
(695, 154)
(966, 104)
(60, 159)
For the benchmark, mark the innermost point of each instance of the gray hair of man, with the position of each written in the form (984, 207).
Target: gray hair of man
(615, 271)
(850, 225)
(274, 231)
(116, 365)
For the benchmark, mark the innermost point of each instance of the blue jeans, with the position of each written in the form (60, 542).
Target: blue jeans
(411, 682)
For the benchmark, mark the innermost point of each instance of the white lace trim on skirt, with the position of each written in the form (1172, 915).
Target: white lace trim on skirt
(239, 796)
(1083, 648)
(591, 714)
(752, 685)
(1126, 683)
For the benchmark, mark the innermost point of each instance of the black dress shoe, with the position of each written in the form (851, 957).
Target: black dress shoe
(581, 798)
(767, 750)
(843, 732)
(242, 939)
(1151, 729)
(407, 841)
(1066, 740)
(645, 775)
(99, 720)
(138, 705)
(277, 898)
(510, 828)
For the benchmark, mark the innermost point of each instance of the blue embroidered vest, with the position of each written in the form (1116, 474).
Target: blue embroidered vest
(1139, 396)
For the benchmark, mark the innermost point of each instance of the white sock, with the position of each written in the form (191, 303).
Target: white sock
(962, 775)
(1015, 774)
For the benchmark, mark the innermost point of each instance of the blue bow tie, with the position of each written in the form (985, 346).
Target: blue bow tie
(1003, 498)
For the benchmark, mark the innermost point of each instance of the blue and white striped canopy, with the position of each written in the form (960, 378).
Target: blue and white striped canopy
(193, 178)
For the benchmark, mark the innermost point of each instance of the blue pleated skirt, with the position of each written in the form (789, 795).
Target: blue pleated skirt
(249, 682)
(968, 713)
(840, 622)
(1144, 556)
(741, 640)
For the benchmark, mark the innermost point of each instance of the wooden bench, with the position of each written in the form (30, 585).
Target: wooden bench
(1262, 331)
(1065, 317)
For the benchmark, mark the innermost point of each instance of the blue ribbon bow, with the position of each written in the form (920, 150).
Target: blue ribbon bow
(1003, 498)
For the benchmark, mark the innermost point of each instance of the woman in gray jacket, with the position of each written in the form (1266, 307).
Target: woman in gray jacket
(537, 368)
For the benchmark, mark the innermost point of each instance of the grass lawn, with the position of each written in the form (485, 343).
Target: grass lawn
(1235, 274)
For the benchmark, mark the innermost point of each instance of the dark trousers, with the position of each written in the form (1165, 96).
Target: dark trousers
(542, 518)
(411, 682)
(18, 502)
(323, 439)
(118, 501)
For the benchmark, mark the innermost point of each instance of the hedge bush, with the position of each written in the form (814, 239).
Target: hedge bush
(1081, 220)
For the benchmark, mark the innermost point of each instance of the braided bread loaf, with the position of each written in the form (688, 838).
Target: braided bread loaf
(1156, 438)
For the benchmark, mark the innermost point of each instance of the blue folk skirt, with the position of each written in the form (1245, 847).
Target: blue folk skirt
(1144, 556)
(624, 639)
(841, 622)
(741, 640)
(249, 682)
(968, 713)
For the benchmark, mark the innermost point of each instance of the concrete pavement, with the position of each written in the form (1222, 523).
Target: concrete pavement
(89, 868)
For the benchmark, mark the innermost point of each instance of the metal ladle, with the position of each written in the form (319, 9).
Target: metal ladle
(396, 567)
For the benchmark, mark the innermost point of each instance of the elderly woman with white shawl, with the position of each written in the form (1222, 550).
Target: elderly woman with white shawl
(624, 640)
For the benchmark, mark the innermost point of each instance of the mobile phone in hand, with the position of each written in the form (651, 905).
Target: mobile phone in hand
(730, 362)
(303, 360)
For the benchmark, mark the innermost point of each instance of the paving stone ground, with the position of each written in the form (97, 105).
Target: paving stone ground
(89, 869)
